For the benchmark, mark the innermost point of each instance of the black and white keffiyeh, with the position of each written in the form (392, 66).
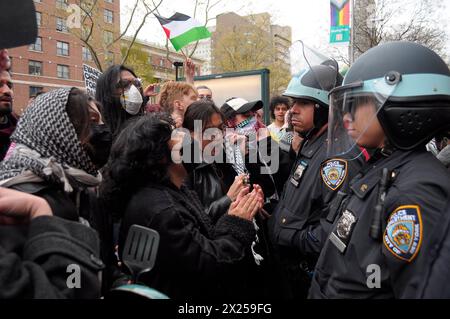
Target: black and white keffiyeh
(47, 147)
(234, 153)
(237, 159)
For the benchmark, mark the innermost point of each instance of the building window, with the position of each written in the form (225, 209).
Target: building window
(62, 48)
(33, 90)
(161, 63)
(107, 37)
(61, 4)
(37, 45)
(108, 16)
(62, 71)
(87, 56)
(38, 19)
(109, 1)
(61, 25)
(34, 67)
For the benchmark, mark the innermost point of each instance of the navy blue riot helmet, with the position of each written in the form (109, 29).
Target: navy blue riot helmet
(409, 85)
(313, 77)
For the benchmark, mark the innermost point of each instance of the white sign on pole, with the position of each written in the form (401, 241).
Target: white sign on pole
(90, 78)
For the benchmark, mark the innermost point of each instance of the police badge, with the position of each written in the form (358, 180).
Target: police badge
(298, 173)
(333, 173)
(341, 235)
(403, 234)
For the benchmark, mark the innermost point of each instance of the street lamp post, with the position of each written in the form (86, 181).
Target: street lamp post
(177, 65)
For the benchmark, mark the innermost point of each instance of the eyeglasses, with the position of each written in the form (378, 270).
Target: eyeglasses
(205, 97)
(125, 84)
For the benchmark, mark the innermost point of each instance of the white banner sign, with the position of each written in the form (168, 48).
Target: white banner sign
(90, 78)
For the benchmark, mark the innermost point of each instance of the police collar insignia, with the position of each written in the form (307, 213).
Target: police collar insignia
(342, 233)
(333, 173)
(403, 234)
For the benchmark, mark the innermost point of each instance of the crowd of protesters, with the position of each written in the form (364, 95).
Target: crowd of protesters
(243, 210)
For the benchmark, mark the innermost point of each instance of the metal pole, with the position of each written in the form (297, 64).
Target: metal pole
(177, 66)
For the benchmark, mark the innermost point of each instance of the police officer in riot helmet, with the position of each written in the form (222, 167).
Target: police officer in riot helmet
(298, 225)
(388, 228)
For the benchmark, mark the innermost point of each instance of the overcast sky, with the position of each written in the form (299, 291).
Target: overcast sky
(309, 19)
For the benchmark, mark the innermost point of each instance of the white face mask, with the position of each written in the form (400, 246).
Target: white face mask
(132, 100)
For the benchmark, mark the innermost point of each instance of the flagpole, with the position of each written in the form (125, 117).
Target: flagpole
(184, 54)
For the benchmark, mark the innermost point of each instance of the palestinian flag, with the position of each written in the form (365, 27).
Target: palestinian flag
(182, 30)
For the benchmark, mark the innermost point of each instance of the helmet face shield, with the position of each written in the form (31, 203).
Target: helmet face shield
(352, 114)
(303, 59)
(409, 85)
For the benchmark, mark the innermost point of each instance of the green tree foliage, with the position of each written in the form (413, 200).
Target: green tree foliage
(138, 59)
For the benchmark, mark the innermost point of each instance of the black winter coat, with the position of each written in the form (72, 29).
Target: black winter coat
(34, 258)
(211, 182)
(195, 257)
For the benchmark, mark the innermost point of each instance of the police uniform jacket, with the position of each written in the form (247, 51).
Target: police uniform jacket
(356, 264)
(300, 220)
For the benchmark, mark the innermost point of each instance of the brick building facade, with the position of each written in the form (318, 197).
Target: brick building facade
(55, 60)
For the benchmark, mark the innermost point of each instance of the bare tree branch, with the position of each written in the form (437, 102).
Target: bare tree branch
(417, 25)
(129, 22)
(86, 39)
(167, 40)
(82, 3)
(149, 12)
(195, 8)
(208, 8)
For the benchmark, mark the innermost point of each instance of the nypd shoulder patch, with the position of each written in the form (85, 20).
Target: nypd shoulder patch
(333, 173)
(403, 234)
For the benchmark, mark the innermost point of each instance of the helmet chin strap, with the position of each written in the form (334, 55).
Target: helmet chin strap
(387, 149)
(382, 151)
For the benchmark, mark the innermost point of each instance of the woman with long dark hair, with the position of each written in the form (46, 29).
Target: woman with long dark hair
(120, 92)
(215, 182)
(218, 184)
(195, 254)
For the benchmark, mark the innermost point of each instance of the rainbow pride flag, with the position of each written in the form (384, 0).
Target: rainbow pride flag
(339, 21)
